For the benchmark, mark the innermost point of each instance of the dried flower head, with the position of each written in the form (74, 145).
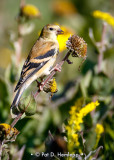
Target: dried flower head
(77, 45)
(51, 86)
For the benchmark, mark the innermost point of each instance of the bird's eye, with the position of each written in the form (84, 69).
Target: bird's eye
(51, 29)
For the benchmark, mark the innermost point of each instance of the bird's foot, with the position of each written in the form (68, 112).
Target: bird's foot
(40, 85)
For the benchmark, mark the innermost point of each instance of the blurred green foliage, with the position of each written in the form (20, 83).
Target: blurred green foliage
(72, 84)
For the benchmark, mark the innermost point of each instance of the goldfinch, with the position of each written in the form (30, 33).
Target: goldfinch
(40, 60)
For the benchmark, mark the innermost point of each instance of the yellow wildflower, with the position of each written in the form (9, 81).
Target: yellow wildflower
(73, 109)
(30, 11)
(75, 139)
(88, 108)
(64, 37)
(76, 118)
(99, 129)
(104, 16)
(63, 7)
(53, 86)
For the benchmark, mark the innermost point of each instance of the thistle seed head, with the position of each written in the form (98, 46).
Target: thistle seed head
(77, 46)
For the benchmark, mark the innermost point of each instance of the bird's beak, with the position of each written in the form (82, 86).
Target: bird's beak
(59, 31)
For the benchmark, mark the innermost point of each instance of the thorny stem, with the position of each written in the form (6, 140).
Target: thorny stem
(101, 49)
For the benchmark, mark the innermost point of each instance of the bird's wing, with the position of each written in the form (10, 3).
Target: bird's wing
(36, 61)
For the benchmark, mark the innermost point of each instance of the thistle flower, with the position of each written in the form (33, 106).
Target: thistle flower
(107, 17)
(30, 11)
(51, 86)
(77, 45)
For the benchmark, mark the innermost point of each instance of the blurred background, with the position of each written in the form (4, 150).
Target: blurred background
(93, 82)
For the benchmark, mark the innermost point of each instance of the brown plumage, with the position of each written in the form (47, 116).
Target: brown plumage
(40, 59)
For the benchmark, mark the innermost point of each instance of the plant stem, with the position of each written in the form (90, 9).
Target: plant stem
(18, 44)
(101, 49)
(16, 119)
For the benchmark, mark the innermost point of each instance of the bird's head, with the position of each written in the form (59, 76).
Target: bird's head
(51, 31)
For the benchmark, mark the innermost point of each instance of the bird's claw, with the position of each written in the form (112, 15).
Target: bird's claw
(39, 85)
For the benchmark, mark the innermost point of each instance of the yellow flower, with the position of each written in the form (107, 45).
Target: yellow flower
(74, 123)
(73, 109)
(63, 7)
(104, 16)
(99, 129)
(64, 37)
(53, 86)
(75, 139)
(30, 11)
(88, 108)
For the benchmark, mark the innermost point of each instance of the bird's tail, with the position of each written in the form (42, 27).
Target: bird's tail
(13, 109)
